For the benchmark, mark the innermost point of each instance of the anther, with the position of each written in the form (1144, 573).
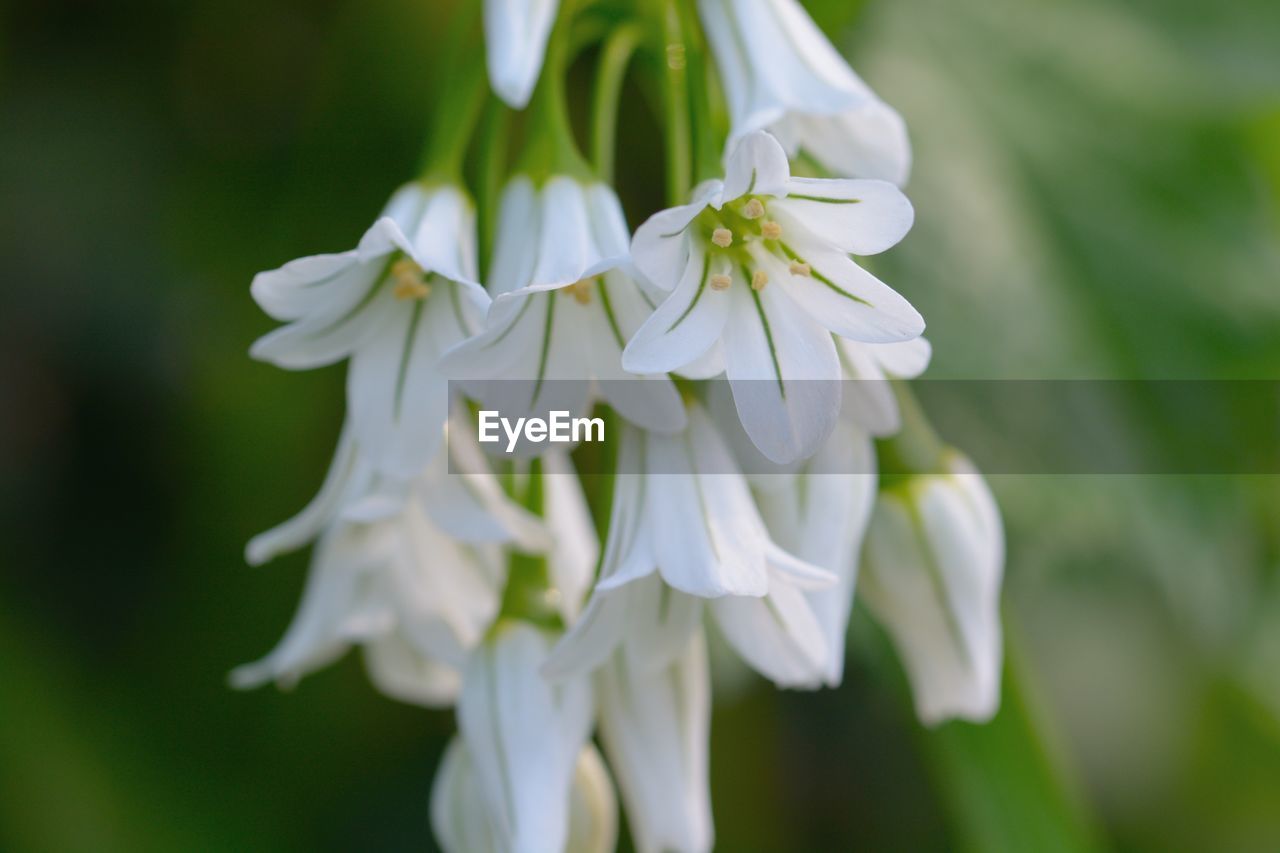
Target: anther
(799, 268)
(720, 281)
(408, 280)
(754, 209)
(771, 230)
(759, 279)
(722, 237)
(580, 291)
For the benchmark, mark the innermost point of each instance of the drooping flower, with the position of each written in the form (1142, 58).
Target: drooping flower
(456, 490)
(781, 74)
(760, 277)
(414, 597)
(462, 824)
(515, 36)
(524, 736)
(684, 532)
(564, 307)
(820, 514)
(415, 577)
(392, 306)
(655, 722)
(933, 563)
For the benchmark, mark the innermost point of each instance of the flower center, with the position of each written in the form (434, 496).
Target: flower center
(410, 280)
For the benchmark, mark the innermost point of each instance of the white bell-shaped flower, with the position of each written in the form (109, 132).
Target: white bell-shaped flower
(820, 514)
(515, 37)
(413, 596)
(524, 736)
(781, 74)
(462, 825)
(655, 723)
(392, 306)
(760, 277)
(683, 531)
(564, 307)
(457, 490)
(931, 576)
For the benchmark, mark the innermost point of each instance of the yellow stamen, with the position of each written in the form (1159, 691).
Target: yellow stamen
(799, 268)
(675, 57)
(580, 290)
(720, 281)
(722, 237)
(771, 230)
(754, 209)
(759, 279)
(408, 277)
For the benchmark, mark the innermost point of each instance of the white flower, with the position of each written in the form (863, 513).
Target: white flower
(820, 514)
(412, 595)
(655, 723)
(686, 530)
(456, 489)
(462, 824)
(870, 399)
(933, 563)
(690, 518)
(515, 37)
(392, 305)
(563, 310)
(781, 74)
(760, 278)
(415, 579)
(524, 736)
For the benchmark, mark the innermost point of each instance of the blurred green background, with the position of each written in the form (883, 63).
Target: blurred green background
(1096, 185)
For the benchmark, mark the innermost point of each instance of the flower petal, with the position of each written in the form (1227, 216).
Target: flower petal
(515, 36)
(684, 327)
(347, 478)
(783, 370)
(655, 725)
(778, 636)
(859, 217)
(842, 296)
(660, 248)
(757, 165)
(868, 141)
(524, 735)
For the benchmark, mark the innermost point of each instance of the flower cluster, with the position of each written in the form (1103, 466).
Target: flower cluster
(480, 582)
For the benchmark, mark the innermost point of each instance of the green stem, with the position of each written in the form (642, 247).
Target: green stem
(526, 595)
(551, 148)
(457, 109)
(916, 449)
(611, 72)
(491, 173)
(674, 58)
(707, 137)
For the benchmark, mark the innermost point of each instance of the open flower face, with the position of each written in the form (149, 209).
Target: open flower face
(392, 306)
(760, 277)
(781, 74)
(564, 308)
